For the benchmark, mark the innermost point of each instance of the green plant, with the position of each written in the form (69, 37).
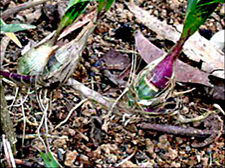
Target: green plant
(10, 29)
(34, 61)
(54, 64)
(155, 81)
(49, 160)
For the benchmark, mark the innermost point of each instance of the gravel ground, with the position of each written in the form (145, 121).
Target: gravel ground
(84, 140)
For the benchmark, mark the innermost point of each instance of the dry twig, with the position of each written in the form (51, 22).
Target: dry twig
(5, 15)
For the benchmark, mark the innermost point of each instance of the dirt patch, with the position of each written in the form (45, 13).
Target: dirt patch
(86, 138)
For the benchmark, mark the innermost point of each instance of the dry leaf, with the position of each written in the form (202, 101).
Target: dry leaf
(196, 47)
(13, 37)
(184, 73)
(148, 51)
(115, 60)
(3, 45)
(77, 25)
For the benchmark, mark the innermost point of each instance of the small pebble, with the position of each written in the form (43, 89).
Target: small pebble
(218, 40)
(222, 10)
(188, 149)
(70, 158)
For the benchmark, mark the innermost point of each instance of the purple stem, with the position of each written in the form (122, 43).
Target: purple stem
(21, 79)
(163, 71)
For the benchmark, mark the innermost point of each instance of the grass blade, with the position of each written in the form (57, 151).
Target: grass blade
(104, 6)
(49, 160)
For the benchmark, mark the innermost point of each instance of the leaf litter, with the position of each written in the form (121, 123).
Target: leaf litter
(81, 140)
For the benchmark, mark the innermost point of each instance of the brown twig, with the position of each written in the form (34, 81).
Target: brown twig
(21, 7)
(8, 152)
(177, 130)
(216, 129)
(91, 94)
(6, 122)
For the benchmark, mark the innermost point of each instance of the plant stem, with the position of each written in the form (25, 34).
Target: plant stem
(164, 70)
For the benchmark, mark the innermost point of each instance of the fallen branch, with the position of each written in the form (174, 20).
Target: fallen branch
(6, 122)
(177, 130)
(213, 122)
(90, 94)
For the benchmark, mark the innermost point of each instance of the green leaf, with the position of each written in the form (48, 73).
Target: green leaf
(12, 28)
(49, 160)
(101, 5)
(72, 2)
(12, 36)
(2, 22)
(197, 13)
(219, 1)
(109, 4)
(76, 7)
(104, 6)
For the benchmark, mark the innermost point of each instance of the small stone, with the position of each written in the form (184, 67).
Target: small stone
(182, 153)
(215, 16)
(163, 139)
(192, 162)
(149, 163)
(218, 26)
(171, 154)
(188, 149)
(128, 164)
(198, 158)
(164, 13)
(196, 124)
(175, 164)
(57, 94)
(179, 140)
(71, 156)
(222, 10)
(71, 132)
(205, 161)
(156, 13)
(118, 138)
(149, 146)
(60, 142)
(111, 158)
(84, 157)
(130, 15)
(102, 28)
(218, 40)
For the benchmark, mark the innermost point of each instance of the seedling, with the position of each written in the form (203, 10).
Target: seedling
(154, 83)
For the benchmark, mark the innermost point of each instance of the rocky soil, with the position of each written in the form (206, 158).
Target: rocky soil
(87, 138)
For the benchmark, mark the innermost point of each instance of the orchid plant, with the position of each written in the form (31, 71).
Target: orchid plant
(47, 64)
(154, 83)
